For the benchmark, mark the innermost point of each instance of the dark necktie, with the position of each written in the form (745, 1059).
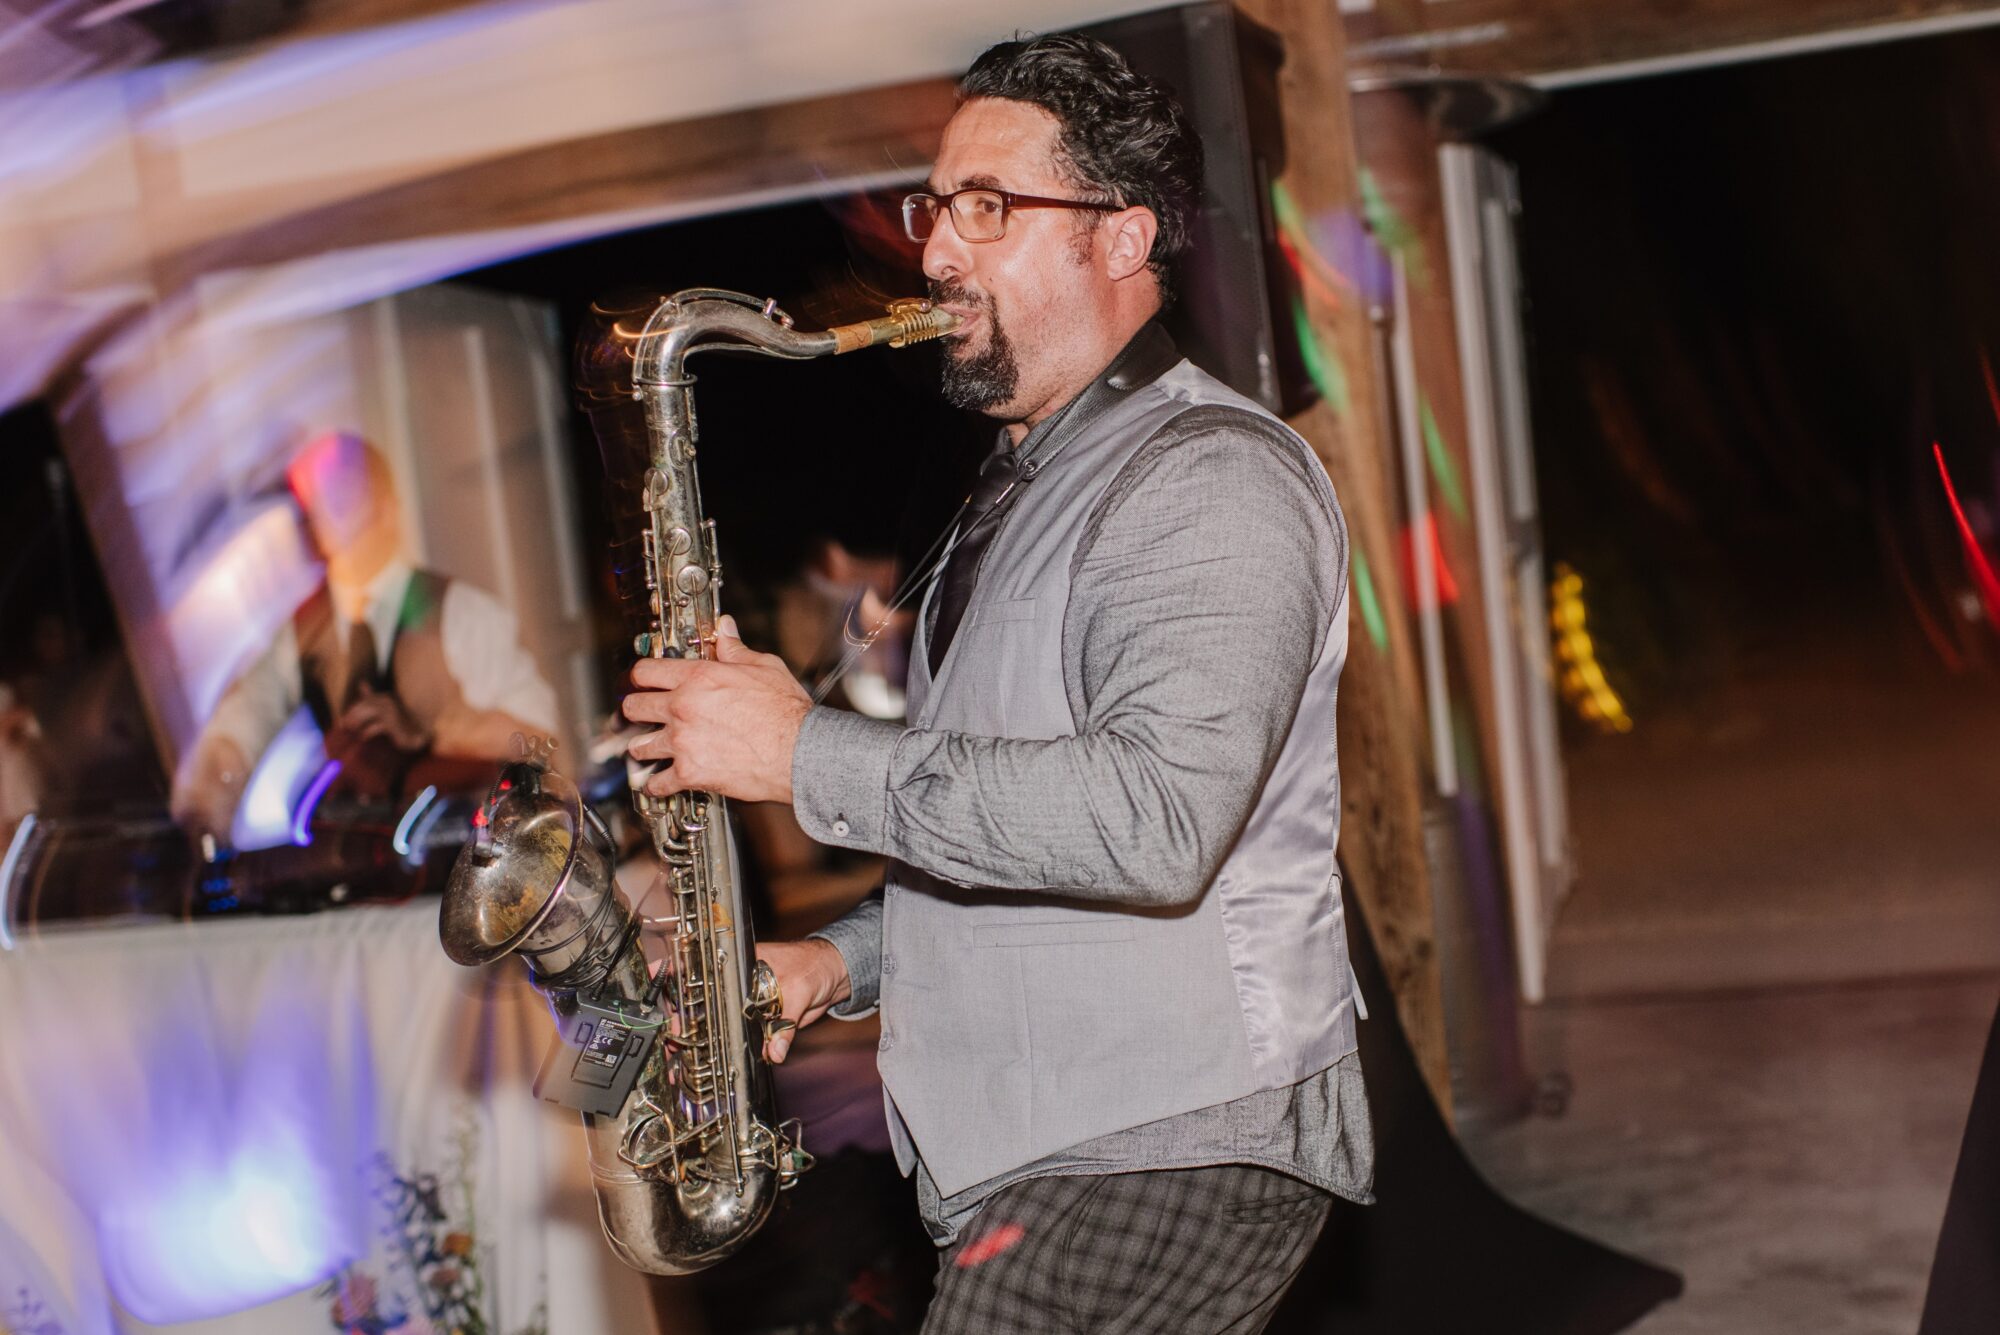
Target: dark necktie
(360, 666)
(1146, 358)
(997, 479)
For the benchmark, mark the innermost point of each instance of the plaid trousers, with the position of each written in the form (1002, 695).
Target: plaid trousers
(1208, 1250)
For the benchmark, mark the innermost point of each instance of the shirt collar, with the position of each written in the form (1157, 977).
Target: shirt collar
(1149, 354)
(382, 608)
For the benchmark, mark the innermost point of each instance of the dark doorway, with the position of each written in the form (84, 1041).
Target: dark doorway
(1764, 323)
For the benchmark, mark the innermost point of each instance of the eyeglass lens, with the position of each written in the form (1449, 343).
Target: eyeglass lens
(979, 215)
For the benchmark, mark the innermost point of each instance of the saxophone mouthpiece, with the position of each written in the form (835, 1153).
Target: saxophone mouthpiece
(921, 320)
(911, 320)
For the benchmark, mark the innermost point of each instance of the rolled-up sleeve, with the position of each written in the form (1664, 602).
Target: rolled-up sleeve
(1201, 594)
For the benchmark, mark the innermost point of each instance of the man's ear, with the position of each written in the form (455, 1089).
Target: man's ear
(1131, 241)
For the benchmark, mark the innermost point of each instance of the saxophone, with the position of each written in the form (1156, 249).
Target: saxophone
(666, 1067)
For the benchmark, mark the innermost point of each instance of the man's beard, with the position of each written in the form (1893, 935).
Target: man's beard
(985, 378)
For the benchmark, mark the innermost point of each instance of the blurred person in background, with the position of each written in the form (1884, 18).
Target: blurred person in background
(831, 624)
(410, 674)
(1118, 1036)
(76, 724)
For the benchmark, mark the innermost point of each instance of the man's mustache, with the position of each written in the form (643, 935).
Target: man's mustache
(951, 292)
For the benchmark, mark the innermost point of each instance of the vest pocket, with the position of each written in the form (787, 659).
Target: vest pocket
(1007, 609)
(1063, 932)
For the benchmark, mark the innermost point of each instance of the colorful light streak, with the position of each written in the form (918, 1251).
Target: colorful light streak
(309, 802)
(1446, 583)
(1295, 240)
(1975, 556)
(264, 815)
(1443, 472)
(1324, 371)
(1395, 235)
(400, 841)
(15, 847)
(1581, 677)
(1372, 619)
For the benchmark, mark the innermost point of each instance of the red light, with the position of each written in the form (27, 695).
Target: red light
(1982, 569)
(982, 1250)
(1442, 579)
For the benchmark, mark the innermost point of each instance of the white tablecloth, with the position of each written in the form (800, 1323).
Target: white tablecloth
(270, 1126)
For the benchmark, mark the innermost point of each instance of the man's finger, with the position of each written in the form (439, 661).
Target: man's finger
(667, 781)
(653, 746)
(647, 706)
(664, 674)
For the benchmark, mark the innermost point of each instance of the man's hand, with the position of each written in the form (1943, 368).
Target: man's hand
(209, 786)
(381, 714)
(728, 726)
(812, 978)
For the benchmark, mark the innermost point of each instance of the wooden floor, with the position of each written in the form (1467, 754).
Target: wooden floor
(1788, 1152)
(1772, 984)
(1830, 815)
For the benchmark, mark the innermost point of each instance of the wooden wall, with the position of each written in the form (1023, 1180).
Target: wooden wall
(1381, 724)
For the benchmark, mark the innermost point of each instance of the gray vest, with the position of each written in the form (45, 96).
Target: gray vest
(1016, 1025)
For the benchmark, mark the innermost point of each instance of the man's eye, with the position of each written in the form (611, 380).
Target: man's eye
(985, 206)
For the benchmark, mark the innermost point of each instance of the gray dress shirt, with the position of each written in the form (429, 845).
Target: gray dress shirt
(931, 797)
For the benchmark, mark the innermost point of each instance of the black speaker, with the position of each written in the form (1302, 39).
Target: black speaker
(1224, 69)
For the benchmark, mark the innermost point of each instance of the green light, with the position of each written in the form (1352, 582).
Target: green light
(1324, 370)
(1371, 606)
(1442, 470)
(1396, 236)
(1287, 212)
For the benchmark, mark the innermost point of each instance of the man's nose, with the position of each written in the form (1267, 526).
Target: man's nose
(945, 251)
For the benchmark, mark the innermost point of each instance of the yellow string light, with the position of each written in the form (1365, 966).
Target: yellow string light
(1581, 678)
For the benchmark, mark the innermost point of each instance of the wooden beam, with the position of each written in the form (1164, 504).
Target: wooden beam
(1381, 734)
(1399, 151)
(690, 166)
(1527, 38)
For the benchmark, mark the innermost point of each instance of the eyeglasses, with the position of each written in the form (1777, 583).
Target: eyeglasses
(979, 214)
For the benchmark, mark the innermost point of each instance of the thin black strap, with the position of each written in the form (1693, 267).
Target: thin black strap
(1149, 355)
(998, 477)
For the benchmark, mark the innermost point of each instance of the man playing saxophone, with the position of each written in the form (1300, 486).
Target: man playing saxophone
(1117, 1029)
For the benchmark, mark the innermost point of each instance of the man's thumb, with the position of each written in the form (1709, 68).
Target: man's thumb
(729, 646)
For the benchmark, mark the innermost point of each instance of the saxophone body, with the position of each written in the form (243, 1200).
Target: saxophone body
(666, 1065)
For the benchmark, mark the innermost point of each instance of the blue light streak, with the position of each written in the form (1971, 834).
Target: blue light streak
(400, 841)
(309, 802)
(15, 848)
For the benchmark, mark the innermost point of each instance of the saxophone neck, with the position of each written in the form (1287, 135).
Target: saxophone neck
(702, 319)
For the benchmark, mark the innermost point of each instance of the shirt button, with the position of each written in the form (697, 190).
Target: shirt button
(888, 966)
(840, 828)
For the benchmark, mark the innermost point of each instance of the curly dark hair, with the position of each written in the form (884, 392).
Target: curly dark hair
(1124, 139)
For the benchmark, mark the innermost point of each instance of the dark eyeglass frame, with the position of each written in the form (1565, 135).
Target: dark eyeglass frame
(1009, 201)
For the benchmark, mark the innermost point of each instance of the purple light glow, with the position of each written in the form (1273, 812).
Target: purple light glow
(216, 1151)
(309, 802)
(291, 762)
